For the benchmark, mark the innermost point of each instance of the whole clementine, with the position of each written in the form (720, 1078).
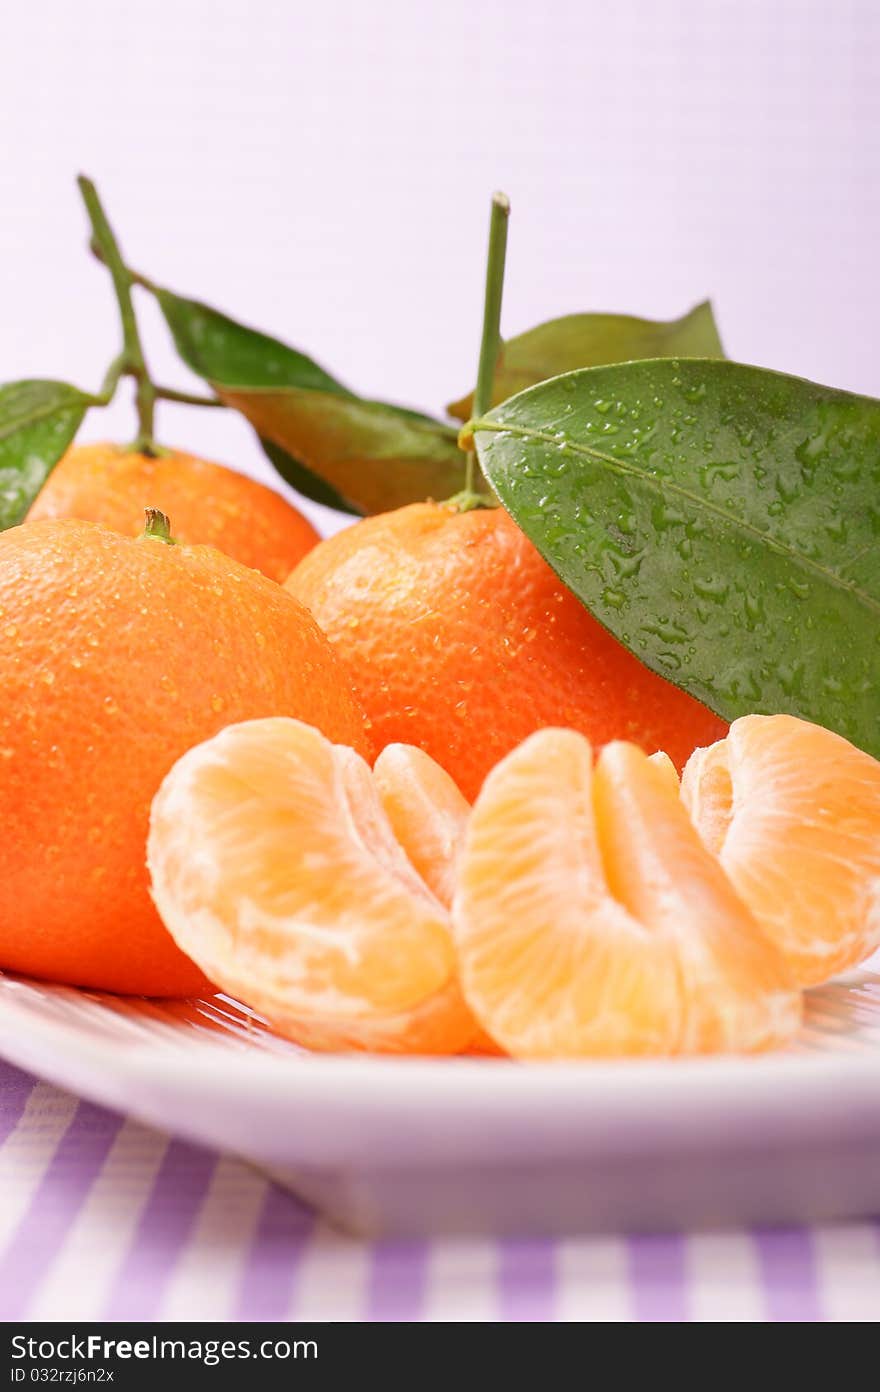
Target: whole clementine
(460, 639)
(116, 656)
(210, 504)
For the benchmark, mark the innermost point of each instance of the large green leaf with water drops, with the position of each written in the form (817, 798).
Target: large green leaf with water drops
(328, 442)
(722, 521)
(38, 420)
(592, 340)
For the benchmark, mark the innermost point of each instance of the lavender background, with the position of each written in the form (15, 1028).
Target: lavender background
(324, 171)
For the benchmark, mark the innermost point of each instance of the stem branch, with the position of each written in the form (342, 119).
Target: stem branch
(186, 398)
(115, 371)
(133, 361)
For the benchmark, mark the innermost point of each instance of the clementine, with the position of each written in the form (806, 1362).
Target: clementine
(117, 655)
(210, 504)
(792, 811)
(460, 639)
(275, 866)
(591, 920)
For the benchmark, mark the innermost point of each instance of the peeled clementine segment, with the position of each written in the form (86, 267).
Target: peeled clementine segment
(737, 990)
(793, 813)
(662, 761)
(272, 859)
(591, 920)
(429, 817)
(427, 813)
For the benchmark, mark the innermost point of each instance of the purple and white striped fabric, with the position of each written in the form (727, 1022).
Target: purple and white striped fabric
(102, 1218)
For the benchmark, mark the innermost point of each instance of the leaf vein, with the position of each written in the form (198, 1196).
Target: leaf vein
(667, 486)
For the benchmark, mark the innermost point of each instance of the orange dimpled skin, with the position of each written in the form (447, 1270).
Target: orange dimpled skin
(209, 504)
(116, 656)
(793, 813)
(276, 868)
(590, 919)
(460, 639)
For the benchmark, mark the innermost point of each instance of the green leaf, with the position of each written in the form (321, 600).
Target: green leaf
(593, 340)
(370, 454)
(723, 522)
(305, 482)
(38, 420)
(376, 457)
(223, 351)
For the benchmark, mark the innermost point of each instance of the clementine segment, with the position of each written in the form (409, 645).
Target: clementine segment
(275, 868)
(208, 503)
(591, 920)
(428, 814)
(116, 656)
(429, 818)
(667, 768)
(460, 639)
(793, 813)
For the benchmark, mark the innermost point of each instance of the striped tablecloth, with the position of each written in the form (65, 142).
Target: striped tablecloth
(102, 1218)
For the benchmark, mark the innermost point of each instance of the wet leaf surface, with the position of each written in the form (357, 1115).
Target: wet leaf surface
(38, 420)
(722, 521)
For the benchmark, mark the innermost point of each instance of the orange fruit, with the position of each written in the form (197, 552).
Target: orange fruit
(460, 639)
(591, 920)
(116, 655)
(208, 503)
(793, 813)
(428, 814)
(275, 868)
(668, 771)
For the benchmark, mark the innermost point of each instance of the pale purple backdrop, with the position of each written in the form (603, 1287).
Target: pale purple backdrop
(324, 170)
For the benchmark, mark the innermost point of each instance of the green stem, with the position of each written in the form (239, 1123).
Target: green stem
(134, 361)
(187, 398)
(114, 372)
(491, 340)
(159, 393)
(134, 277)
(158, 525)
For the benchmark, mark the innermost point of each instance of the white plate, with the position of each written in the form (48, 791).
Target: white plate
(414, 1145)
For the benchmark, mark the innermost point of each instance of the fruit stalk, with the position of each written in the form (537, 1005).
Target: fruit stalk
(158, 525)
(491, 339)
(132, 359)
